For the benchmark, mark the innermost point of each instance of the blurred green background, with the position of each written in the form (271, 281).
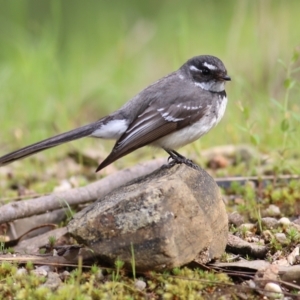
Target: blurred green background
(67, 63)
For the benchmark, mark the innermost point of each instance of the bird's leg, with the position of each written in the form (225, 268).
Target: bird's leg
(177, 158)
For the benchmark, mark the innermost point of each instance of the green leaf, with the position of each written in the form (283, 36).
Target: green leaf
(289, 83)
(296, 116)
(254, 138)
(278, 104)
(295, 55)
(295, 70)
(245, 129)
(285, 125)
(282, 63)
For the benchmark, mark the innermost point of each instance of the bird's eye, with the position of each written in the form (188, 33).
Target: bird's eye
(205, 71)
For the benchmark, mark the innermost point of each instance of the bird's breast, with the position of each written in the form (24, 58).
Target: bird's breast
(194, 131)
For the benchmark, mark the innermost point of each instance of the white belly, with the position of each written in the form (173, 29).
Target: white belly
(191, 133)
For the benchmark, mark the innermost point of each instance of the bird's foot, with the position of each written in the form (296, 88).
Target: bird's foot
(177, 158)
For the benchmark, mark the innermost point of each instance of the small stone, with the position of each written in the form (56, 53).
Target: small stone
(269, 223)
(296, 226)
(297, 221)
(40, 272)
(65, 185)
(284, 221)
(267, 235)
(100, 275)
(237, 245)
(251, 284)
(281, 238)
(290, 274)
(218, 162)
(292, 257)
(247, 227)
(64, 275)
(274, 290)
(21, 272)
(281, 262)
(53, 281)
(235, 219)
(140, 285)
(272, 211)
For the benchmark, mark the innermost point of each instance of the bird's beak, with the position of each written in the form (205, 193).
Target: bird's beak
(226, 78)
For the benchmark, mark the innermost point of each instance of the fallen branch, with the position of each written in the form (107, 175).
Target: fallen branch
(91, 192)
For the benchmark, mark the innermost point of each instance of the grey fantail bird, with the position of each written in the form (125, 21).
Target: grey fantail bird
(172, 112)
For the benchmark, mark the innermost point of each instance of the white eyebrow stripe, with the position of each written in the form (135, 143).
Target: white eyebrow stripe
(193, 68)
(160, 109)
(209, 66)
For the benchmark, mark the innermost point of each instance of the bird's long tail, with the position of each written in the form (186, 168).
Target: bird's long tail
(49, 143)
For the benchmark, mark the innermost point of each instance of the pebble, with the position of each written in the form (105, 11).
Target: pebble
(53, 281)
(64, 275)
(274, 290)
(235, 219)
(267, 235)
(100, 275)
(65, 185)
(284, 221)
(292, 257)
(269, 223)
(21, 272)
(247, 226)
(140, 284)
(272, 211)
(40, 272)
(281, 238)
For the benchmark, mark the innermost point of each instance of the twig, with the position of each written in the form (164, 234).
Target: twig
(26, 208)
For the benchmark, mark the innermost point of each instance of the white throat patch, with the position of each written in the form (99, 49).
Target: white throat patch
(212, 86)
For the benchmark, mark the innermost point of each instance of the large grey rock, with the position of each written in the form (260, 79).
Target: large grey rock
(168, 216)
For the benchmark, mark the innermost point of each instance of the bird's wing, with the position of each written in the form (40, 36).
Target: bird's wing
(154, 123)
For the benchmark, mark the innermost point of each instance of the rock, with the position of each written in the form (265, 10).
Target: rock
(281, 262)
(265, 274)
(284, 221)
(237, 245)
(247, 227)
(41, 271)
(290, 274)
(235, 219)
(140, 285)
(272, 211)
(242, 264)
(281, 238)
(65, 275)
(267, 235)
(99, 275)
(21, 272)
(167, 218)
(218, 162)
(273, 290)
(19, 227)
(292, 257)
(53, 281)
(269, 223)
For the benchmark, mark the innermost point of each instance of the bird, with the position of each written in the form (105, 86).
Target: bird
(170, 113)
